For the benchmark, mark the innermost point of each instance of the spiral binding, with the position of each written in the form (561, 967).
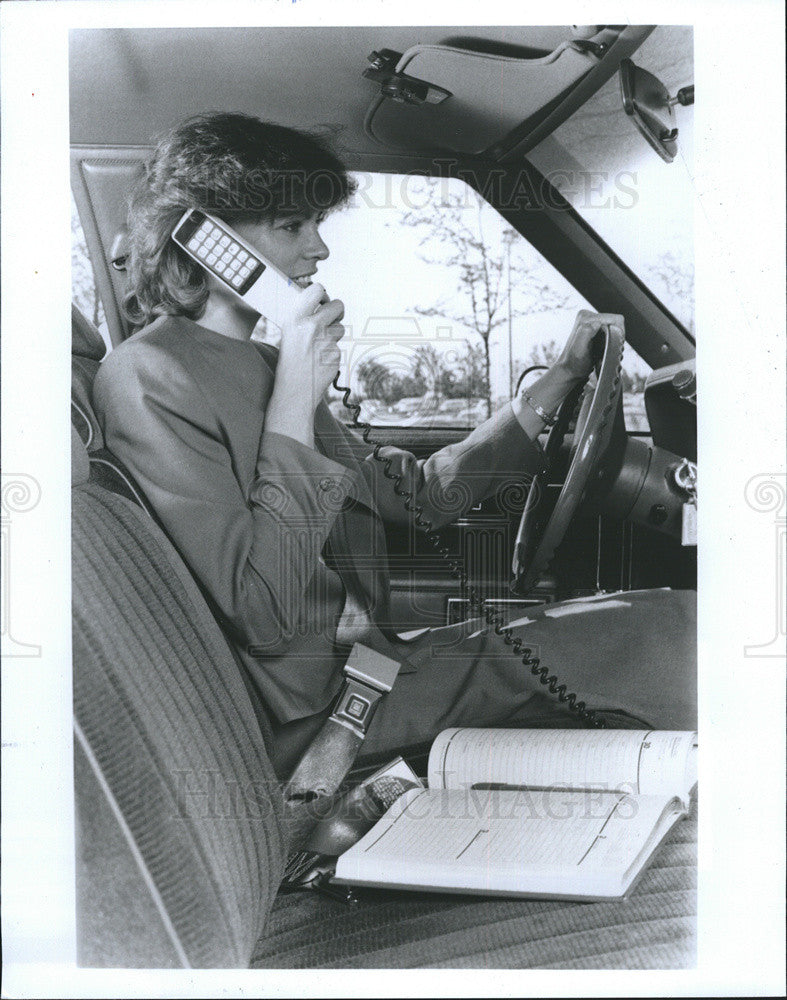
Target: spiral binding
(475, 600)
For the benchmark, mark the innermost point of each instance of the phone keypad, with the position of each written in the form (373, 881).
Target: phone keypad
(223, 255)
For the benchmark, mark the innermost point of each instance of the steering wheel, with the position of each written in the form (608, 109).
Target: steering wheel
(544, 521)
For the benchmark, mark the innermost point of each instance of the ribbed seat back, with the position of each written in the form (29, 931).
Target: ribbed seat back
(165, 729)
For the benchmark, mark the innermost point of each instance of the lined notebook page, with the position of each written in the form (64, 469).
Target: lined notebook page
(540, 841)
(646, 763)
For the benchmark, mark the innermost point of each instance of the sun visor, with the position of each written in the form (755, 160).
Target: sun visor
(489, 95)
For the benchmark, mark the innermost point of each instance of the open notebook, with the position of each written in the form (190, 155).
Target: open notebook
(547, 813)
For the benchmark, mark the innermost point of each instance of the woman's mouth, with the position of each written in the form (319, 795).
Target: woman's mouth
(303, 281)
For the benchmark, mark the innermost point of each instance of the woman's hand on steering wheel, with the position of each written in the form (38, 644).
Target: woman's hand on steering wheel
(537, 405)
(544, 522)
(577, 357)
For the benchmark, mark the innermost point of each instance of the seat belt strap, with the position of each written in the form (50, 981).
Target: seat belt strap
(369, 676)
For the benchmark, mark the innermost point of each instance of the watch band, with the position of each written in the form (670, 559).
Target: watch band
(549, 419)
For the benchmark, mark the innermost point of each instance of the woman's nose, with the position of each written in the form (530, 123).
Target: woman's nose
(316, 247)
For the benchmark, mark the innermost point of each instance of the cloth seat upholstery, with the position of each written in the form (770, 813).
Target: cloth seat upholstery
(654, 928)
(179, 813)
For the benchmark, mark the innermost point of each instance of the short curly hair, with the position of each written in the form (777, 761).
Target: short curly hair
(235, 166)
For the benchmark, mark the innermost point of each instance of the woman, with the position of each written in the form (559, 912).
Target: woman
(276, 507)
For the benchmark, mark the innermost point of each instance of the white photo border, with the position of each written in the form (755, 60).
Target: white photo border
(740, 226)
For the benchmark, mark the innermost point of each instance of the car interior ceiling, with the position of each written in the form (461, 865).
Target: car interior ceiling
(110, 138)
(147, 79)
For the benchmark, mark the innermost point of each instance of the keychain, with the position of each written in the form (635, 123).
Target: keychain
(686, 478)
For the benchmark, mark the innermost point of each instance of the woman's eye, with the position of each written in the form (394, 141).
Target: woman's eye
(292, 227)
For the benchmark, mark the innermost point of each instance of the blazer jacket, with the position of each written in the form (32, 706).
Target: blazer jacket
(276, 533)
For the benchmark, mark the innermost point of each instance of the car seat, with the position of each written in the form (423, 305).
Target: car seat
(87, 351)
(180, 832)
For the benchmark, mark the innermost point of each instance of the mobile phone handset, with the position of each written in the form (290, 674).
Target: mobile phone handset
(237, 264)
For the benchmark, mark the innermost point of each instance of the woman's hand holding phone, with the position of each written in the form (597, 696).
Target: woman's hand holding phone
(308, 361)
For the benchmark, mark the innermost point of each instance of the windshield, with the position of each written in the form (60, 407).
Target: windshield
(639, 204)
(450, 308)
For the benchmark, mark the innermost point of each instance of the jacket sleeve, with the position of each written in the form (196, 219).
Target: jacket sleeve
(254, 549)
(497, 457)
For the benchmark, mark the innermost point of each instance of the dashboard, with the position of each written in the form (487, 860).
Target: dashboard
(671, 408)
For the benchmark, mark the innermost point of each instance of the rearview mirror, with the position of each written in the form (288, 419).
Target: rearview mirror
(647, 101)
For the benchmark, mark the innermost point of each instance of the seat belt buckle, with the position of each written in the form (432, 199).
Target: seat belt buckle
(325, 763)
(369, 676)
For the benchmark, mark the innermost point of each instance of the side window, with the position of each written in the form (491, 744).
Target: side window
(446, 305)
(84, 290)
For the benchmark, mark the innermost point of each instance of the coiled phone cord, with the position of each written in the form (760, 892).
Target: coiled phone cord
(475, 600)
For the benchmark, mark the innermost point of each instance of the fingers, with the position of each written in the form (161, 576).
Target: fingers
(335, 332)
(313, 301)
(330, 358)
(331, 312)
(310, 341)
(329, 354)
(318, 322)
(308, 300)
(577, 357)
(613, 320)
(595, 321)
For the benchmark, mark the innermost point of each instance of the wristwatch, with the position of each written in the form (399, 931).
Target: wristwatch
(549, 419)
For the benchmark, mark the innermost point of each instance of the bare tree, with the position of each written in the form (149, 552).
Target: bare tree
(489, 272)
(671, 277)
(467, 380)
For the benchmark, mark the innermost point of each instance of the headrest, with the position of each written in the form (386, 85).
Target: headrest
(86, 341)
(80, 463)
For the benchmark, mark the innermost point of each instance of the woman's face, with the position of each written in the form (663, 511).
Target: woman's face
(292, 243)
